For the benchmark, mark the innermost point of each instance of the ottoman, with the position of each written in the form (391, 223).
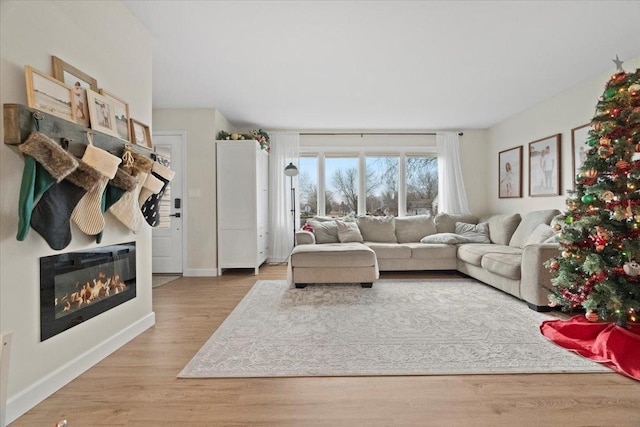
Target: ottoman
(334, 263)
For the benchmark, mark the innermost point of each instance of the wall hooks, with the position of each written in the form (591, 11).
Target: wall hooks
(37, 116)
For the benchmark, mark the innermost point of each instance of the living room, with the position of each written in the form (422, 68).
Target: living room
(109, 42)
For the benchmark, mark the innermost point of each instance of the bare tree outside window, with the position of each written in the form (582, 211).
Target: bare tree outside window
(422, 185)
(382, 185)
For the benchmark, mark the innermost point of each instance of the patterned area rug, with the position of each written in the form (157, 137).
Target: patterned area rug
(399, 327)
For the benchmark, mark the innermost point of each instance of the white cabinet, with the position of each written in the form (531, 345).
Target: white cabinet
(243, 204)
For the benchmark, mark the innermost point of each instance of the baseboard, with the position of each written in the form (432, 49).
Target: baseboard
(200, 272)
(36, 393)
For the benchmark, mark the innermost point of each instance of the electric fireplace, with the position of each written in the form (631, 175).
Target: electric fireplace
(77, 286)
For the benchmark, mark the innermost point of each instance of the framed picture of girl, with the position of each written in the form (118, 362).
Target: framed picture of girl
(140, 134)
(102, 114)
(121, 111)
(510, 173)
(80, 82)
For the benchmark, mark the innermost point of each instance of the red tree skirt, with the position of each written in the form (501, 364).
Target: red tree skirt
(606, 343)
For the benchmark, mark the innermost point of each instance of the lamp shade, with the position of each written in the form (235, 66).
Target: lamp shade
(291, 170)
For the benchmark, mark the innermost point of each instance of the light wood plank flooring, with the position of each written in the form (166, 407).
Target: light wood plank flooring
(137, 385)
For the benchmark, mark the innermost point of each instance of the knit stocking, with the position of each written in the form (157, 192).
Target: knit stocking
(150, 205)
(51, 216)
(45, 163)
(126, 209)
(87, 214)
(116, 188)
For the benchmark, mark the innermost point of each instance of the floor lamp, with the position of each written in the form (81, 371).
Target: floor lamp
(291, 170)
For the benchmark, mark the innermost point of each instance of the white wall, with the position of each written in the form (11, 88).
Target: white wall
(104, 40)
(201, 126)
(568, 110)
(472, 152)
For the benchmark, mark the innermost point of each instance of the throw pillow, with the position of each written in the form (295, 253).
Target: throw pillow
(502, 227)
(473, 233)
(540, 234)
(348, 232)
(325, 232)
(529, 223)
(413, 228)
(445, 238)
(446, 223)
(380, 229)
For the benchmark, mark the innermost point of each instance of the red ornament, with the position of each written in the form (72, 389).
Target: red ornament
(605, 142)
(592, 316)
(622, 164)
(638, 148)
(555, 265)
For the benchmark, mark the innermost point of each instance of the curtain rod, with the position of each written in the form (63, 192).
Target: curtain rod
(371, 133)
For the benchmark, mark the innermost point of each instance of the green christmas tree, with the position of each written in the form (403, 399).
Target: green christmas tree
(599, 267)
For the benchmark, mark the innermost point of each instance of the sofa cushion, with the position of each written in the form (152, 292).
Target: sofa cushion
(348, 232)
(446, 223)
(529, 223)
(332, 255)
(540, 234)
(325, 232)
(433, 251)
(505, 265)
(390, 250)
(377, 228)
(321, 218)
(414, 228)
(502, 227)
(474, 252)
(473, 233)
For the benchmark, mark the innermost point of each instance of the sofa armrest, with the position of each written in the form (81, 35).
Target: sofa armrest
(304, 237)
(535, 283)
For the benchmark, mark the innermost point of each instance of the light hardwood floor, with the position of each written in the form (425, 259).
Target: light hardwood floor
(137, 385)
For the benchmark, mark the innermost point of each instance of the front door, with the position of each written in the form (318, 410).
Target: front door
(168, 235)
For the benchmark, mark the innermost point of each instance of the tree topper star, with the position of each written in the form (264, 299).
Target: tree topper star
(618, 63)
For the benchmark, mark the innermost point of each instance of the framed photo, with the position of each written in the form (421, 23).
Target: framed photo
(80, 82)
(140, 134)
(579, 148)
(510, 173)
(544, 167)
(47, 94)
(121, 111)
(101, 114)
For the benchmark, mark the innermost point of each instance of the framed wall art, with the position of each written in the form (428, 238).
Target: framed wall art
(140, 134)
(544, 167)
(101, 113)
(80, 82)
(510, 173)
(121, 111)
(579, 148)
(47, 94)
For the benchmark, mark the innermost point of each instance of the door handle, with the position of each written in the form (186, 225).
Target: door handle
(177, 214)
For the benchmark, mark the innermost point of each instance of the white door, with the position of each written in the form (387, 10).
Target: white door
(167, 241)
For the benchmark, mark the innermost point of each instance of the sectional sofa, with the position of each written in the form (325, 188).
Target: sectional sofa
(504, 251)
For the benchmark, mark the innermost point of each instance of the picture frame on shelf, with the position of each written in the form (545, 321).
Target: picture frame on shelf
(47, 94)
(121, 112)
(80, 82)
(101, 113)
(579, 148)
(510, 173)
(545, 166)
(140, 134)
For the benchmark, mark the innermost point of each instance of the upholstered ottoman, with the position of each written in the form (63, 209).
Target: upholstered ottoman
(334, 263)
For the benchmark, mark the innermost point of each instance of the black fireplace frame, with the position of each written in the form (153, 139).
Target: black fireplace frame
(67, 262)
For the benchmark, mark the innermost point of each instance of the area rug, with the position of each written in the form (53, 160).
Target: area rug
(158, 280)
(398, 327)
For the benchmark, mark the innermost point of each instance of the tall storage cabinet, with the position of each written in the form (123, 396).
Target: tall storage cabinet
(243, 204)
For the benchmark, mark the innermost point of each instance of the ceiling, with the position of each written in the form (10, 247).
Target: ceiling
(392, 65)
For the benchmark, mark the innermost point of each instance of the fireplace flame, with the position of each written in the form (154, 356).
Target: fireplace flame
(90, 292)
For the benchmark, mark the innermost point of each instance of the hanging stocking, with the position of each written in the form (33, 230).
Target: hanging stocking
(116, 188)
(151, 186)
(150, 205)
(87, 214)
(45, 163)
(52, 214)
(126, 209)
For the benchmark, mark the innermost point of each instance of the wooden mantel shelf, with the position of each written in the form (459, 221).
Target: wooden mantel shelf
(19, 123)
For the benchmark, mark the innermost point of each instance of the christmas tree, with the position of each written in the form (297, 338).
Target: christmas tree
(599, 266)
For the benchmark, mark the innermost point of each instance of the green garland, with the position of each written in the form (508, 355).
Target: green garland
(257, 135)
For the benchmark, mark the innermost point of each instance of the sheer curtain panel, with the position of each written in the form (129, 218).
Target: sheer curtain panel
(284, 149)
(452, 196)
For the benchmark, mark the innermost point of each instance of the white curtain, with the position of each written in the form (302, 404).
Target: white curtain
(284, 149)
(452, 196)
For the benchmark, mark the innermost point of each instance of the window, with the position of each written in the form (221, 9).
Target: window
(422, 184)
(308, 187)
(341, 186)
(381, 185)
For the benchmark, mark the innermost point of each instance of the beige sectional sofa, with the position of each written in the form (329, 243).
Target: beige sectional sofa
(504, 251)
